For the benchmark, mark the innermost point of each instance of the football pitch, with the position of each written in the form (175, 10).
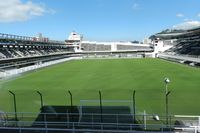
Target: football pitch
(116, 78)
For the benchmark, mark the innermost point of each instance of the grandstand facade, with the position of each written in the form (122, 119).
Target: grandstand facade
(114, 46)
(86, 46)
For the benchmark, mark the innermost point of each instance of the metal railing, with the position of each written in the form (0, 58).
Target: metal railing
(87, 122)
(91, 122)
(27, 38)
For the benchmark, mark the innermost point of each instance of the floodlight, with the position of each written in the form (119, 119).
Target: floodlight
(167, 80)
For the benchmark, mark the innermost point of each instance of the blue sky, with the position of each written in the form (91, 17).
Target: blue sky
(101, 20)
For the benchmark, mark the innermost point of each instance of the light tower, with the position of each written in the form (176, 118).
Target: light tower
(167, 81)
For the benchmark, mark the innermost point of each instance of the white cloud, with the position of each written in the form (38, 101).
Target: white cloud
(187, 25)
(180, 15)
(198, 15)
(136, 6)
(16, 10)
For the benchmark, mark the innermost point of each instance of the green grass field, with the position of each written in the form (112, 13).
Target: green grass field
(116, 79)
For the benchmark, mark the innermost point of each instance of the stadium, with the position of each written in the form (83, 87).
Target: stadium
(88, 86)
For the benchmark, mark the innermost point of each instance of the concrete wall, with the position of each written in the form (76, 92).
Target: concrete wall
(8, 73)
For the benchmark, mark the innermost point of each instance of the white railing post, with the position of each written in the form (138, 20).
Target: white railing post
(195, 129)
(145, 120)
